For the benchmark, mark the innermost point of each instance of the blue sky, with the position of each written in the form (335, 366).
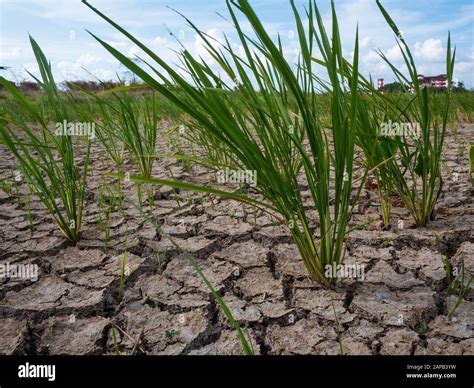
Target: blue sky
(59, 27)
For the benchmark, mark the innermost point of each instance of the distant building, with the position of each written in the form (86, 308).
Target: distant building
(438, 82)
(380, 85)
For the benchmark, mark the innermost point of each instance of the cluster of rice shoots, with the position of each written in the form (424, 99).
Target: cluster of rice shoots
(422, 116)
(264, 112)
(45, 151)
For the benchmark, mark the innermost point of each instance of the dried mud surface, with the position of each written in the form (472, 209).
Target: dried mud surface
(75, 307)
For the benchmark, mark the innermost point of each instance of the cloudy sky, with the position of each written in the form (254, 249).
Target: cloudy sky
(59, 27)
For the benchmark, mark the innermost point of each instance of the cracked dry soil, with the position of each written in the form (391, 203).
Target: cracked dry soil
(75, 306)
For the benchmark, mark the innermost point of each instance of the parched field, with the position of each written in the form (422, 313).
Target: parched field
(83, 304)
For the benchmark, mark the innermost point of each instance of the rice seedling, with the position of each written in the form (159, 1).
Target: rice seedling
(138, 126)
(47, 161)
(457, 285)
(126, 122)
(107, 205)
(6, 187)
(123, 273)
(338, 328)
(170, 334)
(18, 196)
(411, 160)
(114, 339)
(135, 125)
(106, 132)
(175, 137)
(416, 178)
(379, 152)
(267, 118)
(471, 163)
(161, 260)
(29, 215)
(5, 184)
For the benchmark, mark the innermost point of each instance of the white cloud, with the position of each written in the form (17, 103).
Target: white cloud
(394, 54)
(88, 59)
(430, 50)
(464, 67)
(371, 57)
(365, 42)
(10, 53)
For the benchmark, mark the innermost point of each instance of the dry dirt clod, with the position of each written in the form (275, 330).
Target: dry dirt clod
(383, 273)
(288, 261)
(73, 336)
(398, 342)
(167, 292)
(51, 292)
(403, 308)
(320, 302)
(246, 254)
(259, 282)
(227, 344)
(429, 264)
(300, 338)
(163, 333)
(12, 336)
(461, 325)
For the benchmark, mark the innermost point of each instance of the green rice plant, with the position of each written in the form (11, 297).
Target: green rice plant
(338, 328)
(267, 118)
(457, 285)
(29, 215)
(471, 163)
(418, 181)
(19, 199)
(107, 205)
(138, 128)
(123, 274)
(414, 173)
(161, 260)
(175, 137)
(47, 161)
(463, 106)
(6, 187)
(106, 132)
(134, 122)
(379, 152)
(114, 339)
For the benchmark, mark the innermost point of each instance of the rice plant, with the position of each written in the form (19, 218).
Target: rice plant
(413, 168)
(379, 152)
(417, 179)
(264, 111)
(457, 285)
(138, 126)
(47, 160)
(106, 132)
(107, 205)
(471, 163)
(132, 122)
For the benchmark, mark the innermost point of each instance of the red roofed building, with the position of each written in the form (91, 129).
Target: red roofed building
(437, 82)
